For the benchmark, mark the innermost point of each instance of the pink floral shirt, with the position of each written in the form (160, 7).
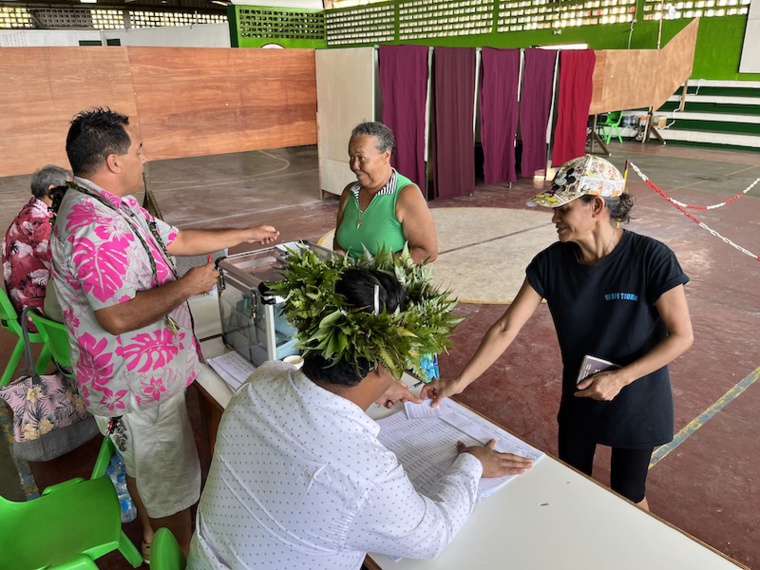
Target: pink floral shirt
(26, 256)
(97, 262)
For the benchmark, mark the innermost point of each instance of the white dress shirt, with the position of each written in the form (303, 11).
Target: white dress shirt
(300, 480)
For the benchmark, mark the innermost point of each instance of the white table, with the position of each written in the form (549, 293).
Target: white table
(552, 517)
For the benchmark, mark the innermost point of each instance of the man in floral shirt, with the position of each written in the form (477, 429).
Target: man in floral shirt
(130, 329)
(26, 256)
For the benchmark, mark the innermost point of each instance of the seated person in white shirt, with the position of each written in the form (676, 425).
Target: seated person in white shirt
(299, 478)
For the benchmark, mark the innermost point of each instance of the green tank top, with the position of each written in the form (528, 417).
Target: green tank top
(377, 226)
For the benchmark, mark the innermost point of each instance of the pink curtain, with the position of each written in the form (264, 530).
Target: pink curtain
(403, 83)
(498, 113)
(454, 75)
(576, 71)
(535, 103)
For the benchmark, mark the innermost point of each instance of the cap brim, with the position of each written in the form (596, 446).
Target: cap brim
(548, 200)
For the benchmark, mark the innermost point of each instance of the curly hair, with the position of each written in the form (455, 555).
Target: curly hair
(385, 140)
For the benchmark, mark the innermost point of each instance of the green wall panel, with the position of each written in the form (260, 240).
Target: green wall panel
(718, 50)
(254, 26)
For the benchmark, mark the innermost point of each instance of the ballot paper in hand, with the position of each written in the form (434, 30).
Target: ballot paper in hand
(426, 447)
(292, 246)
(423, 410)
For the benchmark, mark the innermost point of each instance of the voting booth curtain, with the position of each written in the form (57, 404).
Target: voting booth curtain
(535, 104)
(454, 140)
(576, 71)
(515, 105)
(498, 113)
(404, 85)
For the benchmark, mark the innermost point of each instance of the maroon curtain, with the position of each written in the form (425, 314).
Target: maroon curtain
(576, 71)
(454, 75)
(403, 83)
(498, 113)
(535, 103)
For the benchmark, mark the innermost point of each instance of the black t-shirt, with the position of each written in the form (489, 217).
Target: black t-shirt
(608, 310)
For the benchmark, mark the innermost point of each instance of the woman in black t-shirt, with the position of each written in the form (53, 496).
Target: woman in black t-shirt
(614, 295)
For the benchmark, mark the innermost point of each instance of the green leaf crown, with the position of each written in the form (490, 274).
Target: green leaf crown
(327, 326)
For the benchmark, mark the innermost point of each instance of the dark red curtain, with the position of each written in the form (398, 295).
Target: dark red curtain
(535, 103)
(454, 79)
(498, 113)
(576, 71)
(403, 83)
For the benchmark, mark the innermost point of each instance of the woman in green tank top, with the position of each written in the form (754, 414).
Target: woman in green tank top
(382, 209)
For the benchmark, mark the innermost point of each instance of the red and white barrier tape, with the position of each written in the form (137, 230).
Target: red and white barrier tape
(681, 207)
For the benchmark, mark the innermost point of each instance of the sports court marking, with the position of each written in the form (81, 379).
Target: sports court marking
(702, 418)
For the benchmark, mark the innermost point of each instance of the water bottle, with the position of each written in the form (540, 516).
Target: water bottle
(128, 509)
(118, 464)
(111, 473)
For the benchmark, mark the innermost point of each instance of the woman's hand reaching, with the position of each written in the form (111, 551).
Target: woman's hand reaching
(439, 389)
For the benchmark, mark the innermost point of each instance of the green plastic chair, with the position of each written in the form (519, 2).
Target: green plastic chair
(165, 552)
(611, 125)
(56, 338)
(9, 320)
(69, 522)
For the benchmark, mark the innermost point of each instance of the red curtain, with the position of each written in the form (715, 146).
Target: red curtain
(576, 71)
(454, 143)
(535, 103)
(403, 83)
(498, 113)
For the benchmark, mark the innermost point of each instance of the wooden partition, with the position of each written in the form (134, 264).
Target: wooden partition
(44, 87)
(187, 101)
(200, 101)
(631, 79)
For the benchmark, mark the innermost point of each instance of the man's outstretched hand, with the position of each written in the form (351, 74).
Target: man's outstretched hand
(495, 463)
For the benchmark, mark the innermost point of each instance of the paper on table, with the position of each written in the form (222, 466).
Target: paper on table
(423, 410)
(427, 447)
(233, 368)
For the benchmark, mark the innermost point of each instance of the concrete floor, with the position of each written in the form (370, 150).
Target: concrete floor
(707, 484)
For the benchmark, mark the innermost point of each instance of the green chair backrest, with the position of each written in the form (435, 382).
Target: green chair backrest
(8, 314)
(80, 517)
(165, 552)
(613, 118)
(55, 336)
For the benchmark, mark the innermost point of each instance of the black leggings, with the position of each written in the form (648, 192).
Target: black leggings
(628, 467)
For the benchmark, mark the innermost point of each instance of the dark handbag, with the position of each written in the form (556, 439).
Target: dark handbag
(49, 416)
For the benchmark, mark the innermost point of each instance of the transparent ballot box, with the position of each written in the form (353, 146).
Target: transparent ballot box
(252, 320)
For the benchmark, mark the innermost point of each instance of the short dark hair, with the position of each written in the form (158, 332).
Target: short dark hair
(47, 176)
(358, 288)
(93, 135)
(385, 140)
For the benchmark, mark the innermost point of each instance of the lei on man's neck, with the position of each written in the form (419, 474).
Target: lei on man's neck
(328, 327)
